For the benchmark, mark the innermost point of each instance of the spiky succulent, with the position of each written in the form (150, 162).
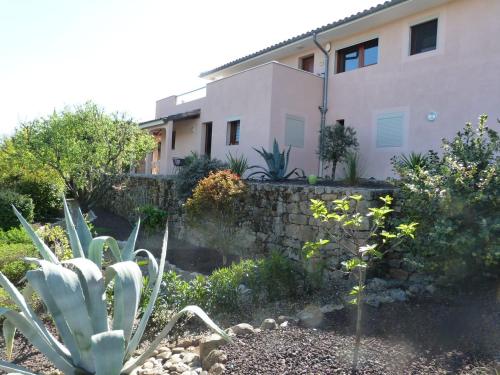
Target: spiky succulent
(277, 164)
(74, 293)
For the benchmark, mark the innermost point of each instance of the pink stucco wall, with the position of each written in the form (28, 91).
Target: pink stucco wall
(459, 80)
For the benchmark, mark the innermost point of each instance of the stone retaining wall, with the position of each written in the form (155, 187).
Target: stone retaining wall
(277, 216)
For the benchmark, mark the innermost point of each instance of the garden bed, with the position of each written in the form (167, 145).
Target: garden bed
(361, 183)
(459, 335)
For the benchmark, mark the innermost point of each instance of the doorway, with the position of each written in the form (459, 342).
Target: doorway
(208, 139)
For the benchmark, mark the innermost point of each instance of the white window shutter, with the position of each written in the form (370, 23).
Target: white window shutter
(294, 131)
(390, 130)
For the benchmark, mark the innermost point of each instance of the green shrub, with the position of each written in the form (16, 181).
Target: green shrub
(56, 239)
(194, 169)
(456, 200)
(153, 218)
(46, 196)
(12, 264)
(223, 284)
(23, 203)
(269, 279)
(277, 275)
(5, 301)
(20, 172)
(14, 235)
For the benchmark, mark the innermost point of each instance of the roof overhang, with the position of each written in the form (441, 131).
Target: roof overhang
(164, 120)
(354, 24)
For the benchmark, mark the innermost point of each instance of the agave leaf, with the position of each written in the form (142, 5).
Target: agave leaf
(43, 249)
(64, 285)
(188, 309)
(96, 249)
(36, 279)
(76, 246)
(136, 338)
(127, 278)
(92, 283)
(152, 266)
(108, 349)
(37, 340)
(6, 366)
(83, 231)
(9, 331)
(128, 249)
(19, 300)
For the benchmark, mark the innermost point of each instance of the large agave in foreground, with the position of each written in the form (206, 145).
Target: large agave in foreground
(74, 294)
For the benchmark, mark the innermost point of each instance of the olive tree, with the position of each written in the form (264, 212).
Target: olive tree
(336, 141)
(84, 146)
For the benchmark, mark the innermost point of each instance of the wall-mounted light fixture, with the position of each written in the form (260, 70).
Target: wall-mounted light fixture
(432, 116)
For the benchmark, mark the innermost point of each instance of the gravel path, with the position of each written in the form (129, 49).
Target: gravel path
(304, 351)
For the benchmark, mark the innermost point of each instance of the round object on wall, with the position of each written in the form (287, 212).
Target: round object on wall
(432, 116)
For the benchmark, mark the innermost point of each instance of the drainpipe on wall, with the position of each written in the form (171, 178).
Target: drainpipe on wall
(324, 108)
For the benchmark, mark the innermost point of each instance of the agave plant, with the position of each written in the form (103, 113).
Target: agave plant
(277, 164)
(73, 292)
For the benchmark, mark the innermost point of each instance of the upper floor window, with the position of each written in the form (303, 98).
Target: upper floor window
(357, 56)
(424, 37)
(233, 132)
(307, 63)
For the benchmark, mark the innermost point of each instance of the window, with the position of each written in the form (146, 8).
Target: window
(233, 128)
(390, 130)
(173, 139)
(307, 63)
(424, 37)
(341, 122)
(358, 56)
(294, 131)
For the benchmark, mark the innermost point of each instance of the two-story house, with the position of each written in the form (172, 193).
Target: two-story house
(404, 74)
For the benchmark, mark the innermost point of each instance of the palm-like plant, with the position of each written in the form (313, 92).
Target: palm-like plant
(277, 164)
(74, 294)
(237, 164)
(413, 161)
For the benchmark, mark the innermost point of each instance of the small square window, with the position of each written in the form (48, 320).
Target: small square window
(424, 37)
(307, 63)
(233, 129)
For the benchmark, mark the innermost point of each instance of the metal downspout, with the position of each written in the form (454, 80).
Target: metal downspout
(324, 108)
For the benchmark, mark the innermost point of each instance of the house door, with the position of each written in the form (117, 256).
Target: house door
(208, 139)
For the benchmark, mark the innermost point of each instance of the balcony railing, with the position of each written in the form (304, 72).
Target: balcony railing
(191, 95)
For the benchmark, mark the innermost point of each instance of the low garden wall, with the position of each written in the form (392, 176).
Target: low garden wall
(277, 216)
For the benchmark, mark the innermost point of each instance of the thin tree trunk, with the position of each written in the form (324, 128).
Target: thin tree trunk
(334, 168)
(359, 304)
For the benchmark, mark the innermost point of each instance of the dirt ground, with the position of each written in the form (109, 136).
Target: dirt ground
(459, 335)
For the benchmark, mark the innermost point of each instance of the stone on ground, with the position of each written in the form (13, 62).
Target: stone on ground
(242, 329)
(209, 343)
(268, 324)
(311, 316)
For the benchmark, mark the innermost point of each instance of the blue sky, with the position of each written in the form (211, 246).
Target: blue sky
(126, 54)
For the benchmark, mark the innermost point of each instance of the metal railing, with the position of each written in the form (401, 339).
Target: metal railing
(191, 95)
